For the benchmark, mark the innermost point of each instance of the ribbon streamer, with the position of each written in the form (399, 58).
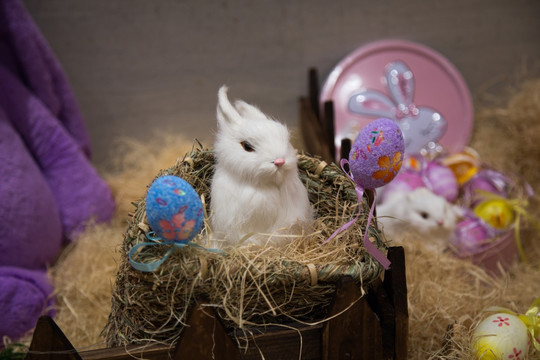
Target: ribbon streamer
(371, 249)
(531, 319)
(157, 241)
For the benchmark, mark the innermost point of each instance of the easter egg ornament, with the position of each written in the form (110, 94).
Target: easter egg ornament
(498, 213)
(507, 334)
(470, 235)
(441, 180)
(501, 336)
(175, 214)
(464, 164)
(174, 209)
(374, 160)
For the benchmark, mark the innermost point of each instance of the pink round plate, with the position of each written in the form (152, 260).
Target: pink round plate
(425, 85)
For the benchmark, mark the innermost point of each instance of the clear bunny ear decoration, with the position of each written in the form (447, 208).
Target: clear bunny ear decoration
(422, 126)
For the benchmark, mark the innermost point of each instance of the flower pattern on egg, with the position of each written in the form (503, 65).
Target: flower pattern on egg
(389, 168)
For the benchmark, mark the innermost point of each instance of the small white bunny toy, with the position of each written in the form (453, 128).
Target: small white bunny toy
(420, 212)
(256, 188)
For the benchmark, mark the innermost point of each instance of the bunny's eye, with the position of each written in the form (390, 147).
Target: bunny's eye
(247, 146)
(424, 214)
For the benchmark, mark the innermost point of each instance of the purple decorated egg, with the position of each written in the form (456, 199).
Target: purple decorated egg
(377, 154)
(173, 209)
(485, 181)
(442, 181)
(470, 236)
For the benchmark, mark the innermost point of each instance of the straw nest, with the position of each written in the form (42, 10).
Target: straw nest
(249, 286)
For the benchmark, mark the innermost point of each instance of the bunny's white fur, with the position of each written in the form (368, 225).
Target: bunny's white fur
(420, 212)
(256, 187)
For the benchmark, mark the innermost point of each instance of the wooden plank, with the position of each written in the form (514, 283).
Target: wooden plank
(354, 333)
(329, 128)
(284, 344)
(395, 284)
(153, 352)
(312, 132)
(313, 91)
(49, 342)
(345, 149)
(205, 337)
(381, 304)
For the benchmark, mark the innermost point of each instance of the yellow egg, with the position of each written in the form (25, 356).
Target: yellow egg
(497, 213)
(501, 336)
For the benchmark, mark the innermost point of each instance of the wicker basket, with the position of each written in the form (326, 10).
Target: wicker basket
(247, 288)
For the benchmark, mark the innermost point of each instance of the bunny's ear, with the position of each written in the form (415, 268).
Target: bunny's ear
(227, 114)
(400, 82)
(249, 111)
(372, 103)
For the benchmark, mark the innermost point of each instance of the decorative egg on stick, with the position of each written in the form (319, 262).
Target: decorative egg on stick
(175, 214)
(174, 209)
(374, 160)
(377, 154)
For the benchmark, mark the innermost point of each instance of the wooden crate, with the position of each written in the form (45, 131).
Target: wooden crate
(372, 326)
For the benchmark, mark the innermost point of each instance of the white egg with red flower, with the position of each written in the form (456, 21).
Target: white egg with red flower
(501, 336)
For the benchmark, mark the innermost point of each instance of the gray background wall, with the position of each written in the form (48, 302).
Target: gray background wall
(140, 65)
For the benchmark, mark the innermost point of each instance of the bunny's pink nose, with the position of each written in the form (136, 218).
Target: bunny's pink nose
(440, 222)
(279, 162)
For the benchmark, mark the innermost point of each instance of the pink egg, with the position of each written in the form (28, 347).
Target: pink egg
(470, 235)
(442, 181)
(377, 154)
(405, 181)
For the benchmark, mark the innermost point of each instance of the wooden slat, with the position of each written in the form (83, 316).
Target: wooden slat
(354, 334)
(284, 344)
(396, 286)
(313, 91)
(312, 132)
(329, 128)
(205, 338)
(153, 352)
(49, 342)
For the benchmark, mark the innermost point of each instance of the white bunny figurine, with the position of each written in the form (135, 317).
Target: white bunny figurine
(420, 212)
(256, 187)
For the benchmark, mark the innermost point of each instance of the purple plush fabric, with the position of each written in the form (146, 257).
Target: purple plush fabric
(24, 296)
(48, 187)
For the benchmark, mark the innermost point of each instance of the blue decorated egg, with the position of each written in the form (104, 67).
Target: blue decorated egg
(377, 154)
(174, 209)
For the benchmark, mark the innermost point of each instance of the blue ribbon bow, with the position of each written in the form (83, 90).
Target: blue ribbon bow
(157, 241)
